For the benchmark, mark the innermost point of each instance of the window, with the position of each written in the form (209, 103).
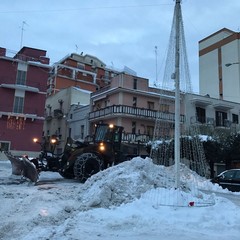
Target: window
(201, 114)
(106, 103)
(18, 105)
(82, 132)
(229, 174)
(134, 83)
(150, 130)
(150, 105)
(80, 66)
(113, 75)
(59, 133)
(164, 108)
(134, 101)
(106, 75)
(133, 127)
(235, 118)
(21, 77)
(220, 118)
(4, 146)
(98, 106)
(237, 174)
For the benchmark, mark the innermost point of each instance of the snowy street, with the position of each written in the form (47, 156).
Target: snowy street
(233, 197)
(122, 202)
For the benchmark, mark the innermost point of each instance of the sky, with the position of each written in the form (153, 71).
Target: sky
(129, 201)
(120, 33)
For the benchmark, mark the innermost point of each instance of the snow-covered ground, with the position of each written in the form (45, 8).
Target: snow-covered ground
(122, 202)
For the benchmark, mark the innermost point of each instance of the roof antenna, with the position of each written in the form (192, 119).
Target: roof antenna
(22, 29)
(76, 48)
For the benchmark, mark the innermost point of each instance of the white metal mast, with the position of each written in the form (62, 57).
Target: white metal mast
(22, 29)
(177, 96)
(156, 56)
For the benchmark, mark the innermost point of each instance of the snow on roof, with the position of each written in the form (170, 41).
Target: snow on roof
(82, 90)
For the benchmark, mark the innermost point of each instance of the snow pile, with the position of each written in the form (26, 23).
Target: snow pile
(127, 182)
(131, 196)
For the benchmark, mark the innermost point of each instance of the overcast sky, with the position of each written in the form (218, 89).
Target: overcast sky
(118, 32)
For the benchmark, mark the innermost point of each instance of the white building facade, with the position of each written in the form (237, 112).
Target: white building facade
(215, 78)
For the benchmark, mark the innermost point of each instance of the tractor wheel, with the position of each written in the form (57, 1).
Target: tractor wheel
(86, 165)
(68, 174)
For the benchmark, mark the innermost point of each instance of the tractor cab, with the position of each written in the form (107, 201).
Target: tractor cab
(108, 134)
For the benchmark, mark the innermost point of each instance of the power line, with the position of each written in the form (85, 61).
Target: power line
(84, 8)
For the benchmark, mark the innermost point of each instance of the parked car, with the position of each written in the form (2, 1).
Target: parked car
(229, 179)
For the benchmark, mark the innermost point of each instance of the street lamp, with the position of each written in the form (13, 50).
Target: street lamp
(229, 64)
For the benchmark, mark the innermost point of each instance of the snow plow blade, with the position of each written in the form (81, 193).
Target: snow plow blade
(23, 167)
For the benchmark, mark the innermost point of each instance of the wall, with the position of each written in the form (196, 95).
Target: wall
(208, 74)
(231, 74)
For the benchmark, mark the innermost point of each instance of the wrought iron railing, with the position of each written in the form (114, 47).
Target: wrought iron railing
(132, 111)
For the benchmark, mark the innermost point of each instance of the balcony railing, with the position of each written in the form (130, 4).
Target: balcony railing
(134, 138)
(220, 123)
(133, 111)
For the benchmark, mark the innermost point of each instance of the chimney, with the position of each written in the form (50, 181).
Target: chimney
(2, 52)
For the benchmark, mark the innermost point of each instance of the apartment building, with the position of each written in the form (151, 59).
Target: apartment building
(219, 68)
(129, 102)
(78, 70)
(23, 82)
(58, 114)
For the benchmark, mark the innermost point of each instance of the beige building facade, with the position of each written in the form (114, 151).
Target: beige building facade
(57, 113)
(129, 102)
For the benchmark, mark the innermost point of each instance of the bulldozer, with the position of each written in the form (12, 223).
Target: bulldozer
(81, 160)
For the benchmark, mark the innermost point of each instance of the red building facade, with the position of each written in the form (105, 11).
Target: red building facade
(83, 71)
(23, 83)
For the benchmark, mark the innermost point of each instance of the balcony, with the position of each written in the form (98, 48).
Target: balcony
(20, 87)
(123, 110)
(21, 115)
(58, 113)
(208, 122)
(48, 118)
